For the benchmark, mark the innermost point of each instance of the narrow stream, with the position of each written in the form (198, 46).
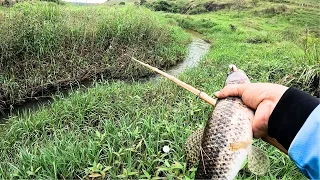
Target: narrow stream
(196, 50)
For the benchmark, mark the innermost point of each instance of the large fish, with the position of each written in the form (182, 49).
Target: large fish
(226, 141)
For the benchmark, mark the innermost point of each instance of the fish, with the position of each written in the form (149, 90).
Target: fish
(224, 145)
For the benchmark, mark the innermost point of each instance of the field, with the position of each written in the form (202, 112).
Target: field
(116, 128)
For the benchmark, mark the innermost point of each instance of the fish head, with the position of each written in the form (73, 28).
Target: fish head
(236, 76)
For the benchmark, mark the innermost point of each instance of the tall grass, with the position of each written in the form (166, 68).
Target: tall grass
(44, 44)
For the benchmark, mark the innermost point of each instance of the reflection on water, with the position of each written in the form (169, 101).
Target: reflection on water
(196, 50)
(194, 33)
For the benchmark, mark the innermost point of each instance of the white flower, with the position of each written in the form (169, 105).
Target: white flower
(166, 149)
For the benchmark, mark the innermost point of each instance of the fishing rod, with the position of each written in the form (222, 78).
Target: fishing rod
(206, 98)
(195, 91)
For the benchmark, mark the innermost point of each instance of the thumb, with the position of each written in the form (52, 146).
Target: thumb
(231, 90)
(261, 119)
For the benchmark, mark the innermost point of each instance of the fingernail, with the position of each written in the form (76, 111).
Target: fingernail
(217, 93)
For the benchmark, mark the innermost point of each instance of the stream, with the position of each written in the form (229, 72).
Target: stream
(197, 48)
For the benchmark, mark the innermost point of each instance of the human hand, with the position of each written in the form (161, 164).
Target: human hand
(262, 97)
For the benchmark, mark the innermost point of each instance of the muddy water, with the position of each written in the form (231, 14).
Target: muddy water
(196, 50)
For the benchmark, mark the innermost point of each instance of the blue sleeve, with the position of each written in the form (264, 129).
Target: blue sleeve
(304, 150)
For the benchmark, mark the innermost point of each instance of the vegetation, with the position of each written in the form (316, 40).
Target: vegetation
(8, 3)
(252, 40)
(188, 7)
(117, 129)
(44, 45)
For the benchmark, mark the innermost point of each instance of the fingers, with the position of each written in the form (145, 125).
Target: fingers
(261, 118)
(231, 90)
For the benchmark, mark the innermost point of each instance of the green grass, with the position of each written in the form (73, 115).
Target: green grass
(273, 47)
(45, 44)
(118, 129)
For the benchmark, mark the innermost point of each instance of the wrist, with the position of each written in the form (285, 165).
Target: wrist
(289, 115)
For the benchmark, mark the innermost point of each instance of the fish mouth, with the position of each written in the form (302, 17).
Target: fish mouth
(236, 76)
(233, 68)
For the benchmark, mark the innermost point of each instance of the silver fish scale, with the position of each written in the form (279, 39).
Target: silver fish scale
(227, 133)
(229, 123)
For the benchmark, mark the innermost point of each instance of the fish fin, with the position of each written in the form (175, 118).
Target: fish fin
(258, 161)
(192, 148)
(240, 145)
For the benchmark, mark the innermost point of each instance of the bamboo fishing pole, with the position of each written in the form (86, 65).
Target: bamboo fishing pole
(206, 98)
(195, 91)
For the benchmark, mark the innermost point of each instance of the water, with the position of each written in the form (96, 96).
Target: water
(196, 50)
(194, 33)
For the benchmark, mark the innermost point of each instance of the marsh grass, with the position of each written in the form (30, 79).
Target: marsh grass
(46, 45)
(117, 130)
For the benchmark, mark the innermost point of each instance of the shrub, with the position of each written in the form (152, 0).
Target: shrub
(275, 10)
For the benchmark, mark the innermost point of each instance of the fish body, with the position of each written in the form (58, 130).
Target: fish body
(226, 140)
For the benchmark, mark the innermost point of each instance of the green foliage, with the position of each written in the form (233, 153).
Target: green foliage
(187, 7)
(44, 44)
(166, 6)
(8, 3)
(55, 1)
(189, 22)
(197, 10)
(142, 2)
(275, 10)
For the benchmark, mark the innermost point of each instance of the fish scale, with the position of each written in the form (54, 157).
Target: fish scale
(226, 139)
(229, 123)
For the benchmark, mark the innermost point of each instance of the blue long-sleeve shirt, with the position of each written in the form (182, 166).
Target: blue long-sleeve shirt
(295, 123)
(305, 147)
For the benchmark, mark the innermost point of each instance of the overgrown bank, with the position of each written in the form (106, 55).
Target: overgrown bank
(44, 45)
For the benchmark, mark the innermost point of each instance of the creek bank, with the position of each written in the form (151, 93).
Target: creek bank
(196, 50)
(45, 46)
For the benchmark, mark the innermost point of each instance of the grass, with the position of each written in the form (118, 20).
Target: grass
(45, 45)
(116, 129)
(273, 47)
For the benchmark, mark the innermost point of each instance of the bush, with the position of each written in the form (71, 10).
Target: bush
(166, 6)
(197, 10)
(275, 10)
(185, 7)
